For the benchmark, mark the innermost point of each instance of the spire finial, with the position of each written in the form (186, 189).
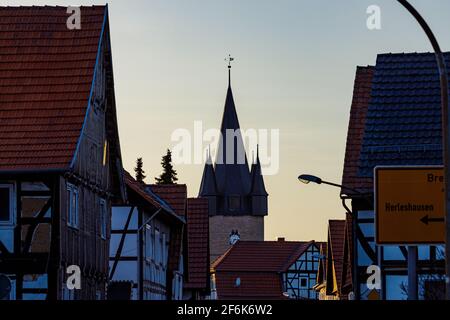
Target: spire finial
(229, 60)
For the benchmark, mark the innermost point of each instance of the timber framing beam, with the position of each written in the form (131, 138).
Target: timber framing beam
(121, 243)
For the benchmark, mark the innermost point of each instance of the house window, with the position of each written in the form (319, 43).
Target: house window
(12, 293)
(157, 247)
(177, 293)
(164, 249)
(148, 243)
(68, 294)
(234, 203)
(103, 218)
(6, 204)
(72, 212)
(303, 283)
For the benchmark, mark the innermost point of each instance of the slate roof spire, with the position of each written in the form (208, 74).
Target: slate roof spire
(258, 187)
(208, 185)
(232, 172)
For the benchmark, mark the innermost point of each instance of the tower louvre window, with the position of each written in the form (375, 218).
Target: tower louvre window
(234, 203)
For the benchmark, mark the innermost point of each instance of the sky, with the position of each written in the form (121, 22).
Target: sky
(294, 69)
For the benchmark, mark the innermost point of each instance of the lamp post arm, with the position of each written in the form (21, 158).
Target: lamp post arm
(341, 186)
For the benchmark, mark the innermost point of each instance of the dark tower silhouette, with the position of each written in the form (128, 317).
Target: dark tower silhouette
(237, 197)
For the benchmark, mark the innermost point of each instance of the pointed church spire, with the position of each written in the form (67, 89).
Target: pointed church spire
(208, 185)
(232, 171)
(258, 187)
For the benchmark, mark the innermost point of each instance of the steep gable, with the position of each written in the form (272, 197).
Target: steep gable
(46, 79)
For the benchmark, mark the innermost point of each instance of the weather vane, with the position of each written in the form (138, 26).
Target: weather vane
(229, 60)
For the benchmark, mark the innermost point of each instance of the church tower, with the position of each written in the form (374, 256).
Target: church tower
(237, 196)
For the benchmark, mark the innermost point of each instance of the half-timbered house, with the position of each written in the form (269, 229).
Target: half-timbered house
(60, 159)
(395, 119)
(334, 280)
(196, 284)
(266, 270)
(146, 246)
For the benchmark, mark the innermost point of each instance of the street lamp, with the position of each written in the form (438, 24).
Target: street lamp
(307, 178)
(412, 250)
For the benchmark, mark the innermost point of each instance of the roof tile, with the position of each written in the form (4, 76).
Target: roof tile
(258, 265)
(358, 112)
(174, 194)
(46, 73)
(403, 123)
(197, 243)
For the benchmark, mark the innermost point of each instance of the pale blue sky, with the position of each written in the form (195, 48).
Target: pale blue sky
(294, 71)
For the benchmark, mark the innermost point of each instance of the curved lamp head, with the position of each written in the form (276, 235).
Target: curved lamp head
(307, 178)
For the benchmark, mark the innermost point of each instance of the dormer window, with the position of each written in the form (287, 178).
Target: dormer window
(234, 203)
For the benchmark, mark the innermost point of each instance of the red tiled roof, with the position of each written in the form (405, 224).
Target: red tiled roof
(336, 248)
(139, 188)
(253, 286)
(174, 194)
(260, 256)
(258, 265)
(46, 75)
(361, 96)
(197, 243)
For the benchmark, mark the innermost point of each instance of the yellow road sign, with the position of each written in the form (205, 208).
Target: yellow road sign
(409, 205)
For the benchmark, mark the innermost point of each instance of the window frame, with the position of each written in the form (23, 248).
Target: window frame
(11, 222)
(157, 241)
(164, 254)
(73, 216)
(149, 249)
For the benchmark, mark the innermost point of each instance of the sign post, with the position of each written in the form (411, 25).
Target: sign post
(410, 210)
(409, 205)
(412, 273)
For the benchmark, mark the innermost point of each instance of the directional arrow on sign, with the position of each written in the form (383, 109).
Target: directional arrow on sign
(427, 220)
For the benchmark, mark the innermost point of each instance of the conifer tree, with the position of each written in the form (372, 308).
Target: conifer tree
(140, 173)
(169, 175)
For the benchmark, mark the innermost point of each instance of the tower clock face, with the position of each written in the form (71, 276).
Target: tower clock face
(234, 237)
